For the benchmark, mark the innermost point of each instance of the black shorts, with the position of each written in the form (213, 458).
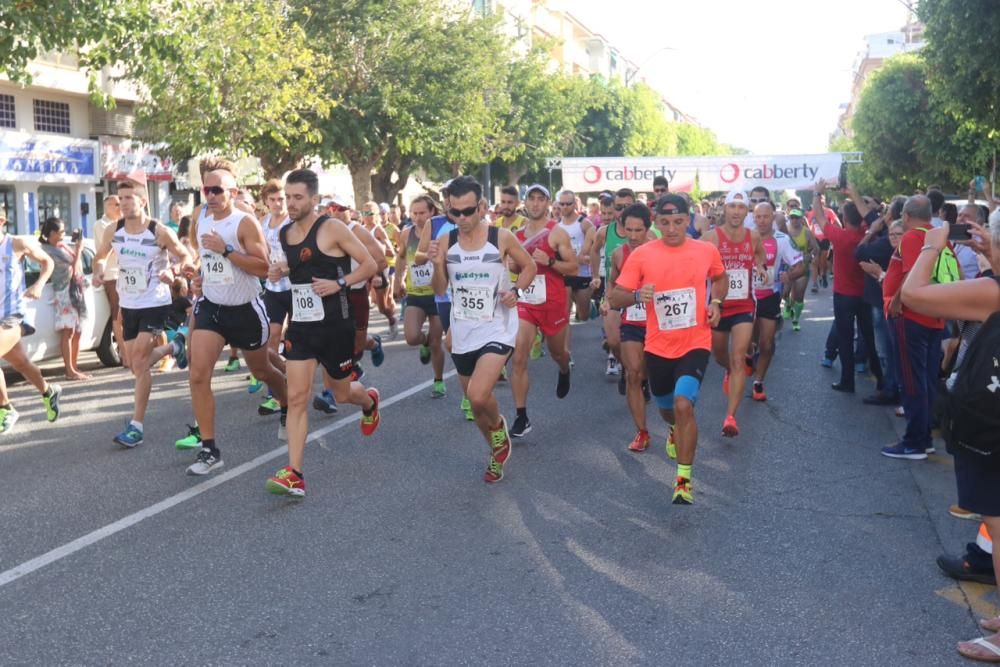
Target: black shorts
(727, 323)
(633, 333)
(444, 312)
(278, 305)
(770, 307)
(358, 298)
(577, 282)
(465, 363)
(599, 292)
(144, 320)
(424, 303)
(329, 343)
(243, 326)
(978, 479)
(663, 374)
(385, 281)
(17, 321)
(824, 244)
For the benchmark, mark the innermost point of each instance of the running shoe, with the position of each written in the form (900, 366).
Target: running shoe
(725, 384)
(640, 442)
(438, 390)
(814, 288)
(180, 351)
(500, 448)
(282, 430)
(758, 392)
(393, 329)
(378, 355)
(788, 312)
(52, 402)
(255, 385)
(268, 407)
(671, 445)
(286, 483)
(562, 385)
(683, 492)
(370, 420)
(860, 368)
(536, 347)
(796, 326)
(959, 512)
(130, 437)
(613, 367)
(522, 427)
(899, 451)
(826, 282)
(748, 365)
(826, 362)
(191, 440)
(425, 354)
(205, 463)
(729, 427)
(8, 417)
(466, 408)
(232, 365)
(325, 402)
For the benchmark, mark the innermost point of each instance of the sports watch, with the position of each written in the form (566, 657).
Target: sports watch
(228, 251)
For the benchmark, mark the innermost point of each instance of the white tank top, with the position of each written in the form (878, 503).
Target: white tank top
(476, 277)
(354, 265)
(576, 238)
(140, 261)
(277, 254)
(223, 282)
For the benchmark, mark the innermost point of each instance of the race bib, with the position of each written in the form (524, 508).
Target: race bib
(217, 270)
(739, 284)
(422, 274)
(473, 303)
(307, 306)
(636, 313)
(767, 281)
(675, 309)
(534, 294)
(132, 280)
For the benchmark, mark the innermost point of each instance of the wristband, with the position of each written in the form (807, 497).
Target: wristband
(637, 295)
(929, 247)
(715, 302)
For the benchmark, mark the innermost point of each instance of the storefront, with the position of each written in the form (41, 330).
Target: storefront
(43, 175)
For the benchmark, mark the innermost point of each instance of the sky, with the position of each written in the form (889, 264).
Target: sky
(768, 76)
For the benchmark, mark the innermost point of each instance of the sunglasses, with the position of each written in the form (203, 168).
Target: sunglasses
(463, 212)
(566, 203)
(659, 191)
(213, 190)
(621, 207)
(368, 214)
(757, 200)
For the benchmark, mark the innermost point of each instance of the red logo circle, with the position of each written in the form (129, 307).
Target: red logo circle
(734, 172)
(592, 174)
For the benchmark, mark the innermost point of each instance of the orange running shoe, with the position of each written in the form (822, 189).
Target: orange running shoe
(758, 392)
(729, 427)
(370, 420)
(725, 384)
(640, 442)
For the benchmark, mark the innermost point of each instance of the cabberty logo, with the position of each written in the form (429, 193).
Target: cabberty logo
(593, 174)
(730, 173)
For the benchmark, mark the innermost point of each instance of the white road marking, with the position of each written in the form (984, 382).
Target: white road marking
(70, 548)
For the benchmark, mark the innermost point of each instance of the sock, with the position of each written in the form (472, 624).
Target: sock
(209, 444)
(299, 473)
(684, 471)
(284, 410)
(797, 310)
(522, 412)
(438, 380)
(48, 391)
(136, 424)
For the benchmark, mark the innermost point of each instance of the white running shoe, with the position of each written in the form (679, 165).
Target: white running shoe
(206, 463)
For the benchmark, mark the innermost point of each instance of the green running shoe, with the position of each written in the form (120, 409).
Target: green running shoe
(232, 365)
(467, 409)
(425, 354)
(8, 417)
(52, 402)
(191, 441)
(268, 407)
(536, 347)
(255, 385)
(438, 390)
(683, 492)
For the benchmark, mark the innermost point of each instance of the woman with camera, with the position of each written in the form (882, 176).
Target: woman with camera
(67, 287)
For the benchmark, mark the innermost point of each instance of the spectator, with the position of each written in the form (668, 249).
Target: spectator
(936, 198)
(177, 211)
(67, 288)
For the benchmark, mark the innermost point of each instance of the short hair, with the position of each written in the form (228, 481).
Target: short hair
(766, 203)
(215, 164)
(896, 207)
(761, 188)
(463, 185)
(852, 215)
(428, 201)
(510, 190)
(134, 187)
(661, 180)
(949, 212)
(937, 200)
(918, 207)
(306, 177)
(184, 226)
(640, 211)
(625, 192)
(566, 192)
(273, 186)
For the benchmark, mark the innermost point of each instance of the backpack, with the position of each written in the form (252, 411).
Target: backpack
(969, 414)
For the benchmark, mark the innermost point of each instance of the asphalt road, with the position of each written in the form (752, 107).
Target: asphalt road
(804, 546)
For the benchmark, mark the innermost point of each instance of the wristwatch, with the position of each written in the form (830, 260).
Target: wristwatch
(517, 291)
(342, 283)
(229, 250)
(552, 262)
(637, 295)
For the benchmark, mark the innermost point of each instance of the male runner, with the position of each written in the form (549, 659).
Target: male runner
(581, 234)
(743, 256)
(822, 263)
(371, 217)
(542, 307)
(277, 294)
(783, 264)
(419, 306)
(670, 277)
(473, 263)
(608, 238)
(144, 278)
(233, 258)
(318, 259)
(509, 218)
(13, 250)
(803, 241)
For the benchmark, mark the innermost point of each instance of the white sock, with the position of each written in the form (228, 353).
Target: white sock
(136, 424)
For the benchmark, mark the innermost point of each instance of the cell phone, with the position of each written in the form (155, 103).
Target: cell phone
(75, 236)
(842, 179)
(980, 183)
(959, 232)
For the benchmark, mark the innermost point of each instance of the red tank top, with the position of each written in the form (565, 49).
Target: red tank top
(738, 258)
(555, 288)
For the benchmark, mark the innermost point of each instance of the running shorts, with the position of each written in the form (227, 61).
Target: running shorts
(243, 326)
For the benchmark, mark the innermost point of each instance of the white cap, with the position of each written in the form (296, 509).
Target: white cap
(539, 188)
(336, 200)
(738, 197)
(383, 207)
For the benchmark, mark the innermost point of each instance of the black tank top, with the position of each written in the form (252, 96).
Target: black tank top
(306, 261)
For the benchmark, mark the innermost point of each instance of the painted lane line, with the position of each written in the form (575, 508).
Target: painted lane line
(70, 548)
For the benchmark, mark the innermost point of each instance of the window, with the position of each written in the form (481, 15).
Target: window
(53, 202)
(51, 116)
(7, 116)
(8, 207)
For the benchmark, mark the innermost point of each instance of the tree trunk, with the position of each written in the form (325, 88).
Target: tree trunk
(275, 165)
(361, 179)
(514, 173)
(384, 187)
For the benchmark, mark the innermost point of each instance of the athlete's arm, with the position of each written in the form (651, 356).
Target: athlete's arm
(168, 240)
(420, 256)
(29, 247)
(101, 256)
(600, 238)
(859, 201)
(760, 255)
(372, 246)
(720, 288)
(560, 242)
(255, 258)
(819, 214)
(588, 242)
(437, 252)
(336, 233)
(513, 249)
(616, 262)
(401, 263)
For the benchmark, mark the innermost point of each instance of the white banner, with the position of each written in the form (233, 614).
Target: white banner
(743, 172)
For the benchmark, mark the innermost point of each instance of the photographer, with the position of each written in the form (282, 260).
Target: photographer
(67, 287)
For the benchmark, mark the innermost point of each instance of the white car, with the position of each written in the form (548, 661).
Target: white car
(41, 314)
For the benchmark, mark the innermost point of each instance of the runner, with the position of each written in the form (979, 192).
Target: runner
(473, 264)
(318, 259)
(144, 279)
(803, 242)
(633, 329)
(581, 234)
(608, 238)
(783, 264)
(277, 294)
(13, 327)
(743, 256)
(419, 305)
(509, 218)
(820, 267)
(542, 307)
(381, 295)
(233, 258)
(670, 276)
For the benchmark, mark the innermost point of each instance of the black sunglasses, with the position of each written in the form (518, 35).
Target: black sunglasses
(462, 212)
(213, 190)
(757, 200)
(567, 203)
(621, 207)
(659, 190)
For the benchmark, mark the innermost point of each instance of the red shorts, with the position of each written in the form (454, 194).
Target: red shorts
(550, 318)
(358, 298)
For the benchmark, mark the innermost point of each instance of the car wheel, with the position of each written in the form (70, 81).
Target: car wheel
(107, 351)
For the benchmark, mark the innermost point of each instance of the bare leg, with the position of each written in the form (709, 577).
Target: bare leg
(765, 344)
(262, 369)
(635, 373)
(479, 388)
(519, 382)
(300, 380)
(207, 346)
(139, 350)
(741, 334)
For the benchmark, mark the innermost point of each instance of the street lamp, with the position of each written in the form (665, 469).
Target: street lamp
(630, 74)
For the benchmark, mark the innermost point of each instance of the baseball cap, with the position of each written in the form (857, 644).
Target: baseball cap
(796, 213)
(383, 207)
(335, 200)
(538, 187)
(671, 204)
(737, 197)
